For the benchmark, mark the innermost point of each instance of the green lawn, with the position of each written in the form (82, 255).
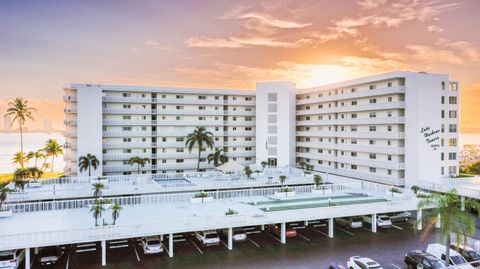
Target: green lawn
(5, 178)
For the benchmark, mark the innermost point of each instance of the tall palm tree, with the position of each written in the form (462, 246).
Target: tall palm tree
(282, 179)
(97, 189)
(35, 173)
(21, 112)
(37, 155)
(116, 208)
(97, 211)
(139, 161)
(201, 137)
(317, 180)
(53, 149)
(452, 218)
(248, 172)
(263, 164)
(19, 158)
(218, 158)
(87, 162)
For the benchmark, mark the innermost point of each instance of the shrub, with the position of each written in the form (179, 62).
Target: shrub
(201, 195)
(231, 212)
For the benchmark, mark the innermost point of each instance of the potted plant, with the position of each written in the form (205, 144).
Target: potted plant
(248, 172)
(396, 192)
(284, 191)
(415, 189)
(263, 164)
(201, 197)
(231, 212)
(4, 190)
(97, 189)
(319, 186)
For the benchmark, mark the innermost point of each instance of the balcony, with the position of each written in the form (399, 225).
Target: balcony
(343, 109)
(69, 98)
(127, 111)
(70, 122)
(171, 166)
(118, 99)
(353, 147)
(354, 95)
(392, 165)
(70, 110)
(358, 121)
(378, 135)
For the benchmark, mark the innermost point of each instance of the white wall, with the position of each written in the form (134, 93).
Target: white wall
(89, 124)
(285, 122)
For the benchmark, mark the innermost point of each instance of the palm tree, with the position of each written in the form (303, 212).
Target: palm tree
(35, 173)
(452, 218)
(53, 149)
(116, 208)
(4, 190)
(263, 164)
(139, 161)
(21, 112)
(97, 187)
(248, 172)
(87, 162)
(97, 211)
(39, 154)
(218, 158)
(317, 180)
(19, 158)
(200, 136)
(282, 179)
(302, 164)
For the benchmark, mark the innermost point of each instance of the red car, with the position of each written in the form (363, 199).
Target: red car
(275, 229)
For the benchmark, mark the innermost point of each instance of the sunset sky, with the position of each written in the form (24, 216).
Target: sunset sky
(232, 44)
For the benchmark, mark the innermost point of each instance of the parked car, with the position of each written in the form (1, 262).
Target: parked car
(401, 216)
(11, 259)
(438, 250)
(336, 266)
(383, 221)
(152, 245)
(239, 235)
(275, 229)
(50, 255)
(472, 256)
(352, 222)
(208, 238)
(419, 259)
(358, 262)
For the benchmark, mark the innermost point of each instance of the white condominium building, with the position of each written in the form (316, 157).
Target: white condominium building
(395, 128)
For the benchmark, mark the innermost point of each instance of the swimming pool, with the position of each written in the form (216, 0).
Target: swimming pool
(173, 182)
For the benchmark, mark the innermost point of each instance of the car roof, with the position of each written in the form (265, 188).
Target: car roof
(424, 254)
(367, 261)
(7, 252)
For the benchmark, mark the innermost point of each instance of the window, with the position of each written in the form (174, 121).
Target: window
(452, 100)
(452, 156)
(452, 142)
(389, 84)
(353, 90)
(389, 172)
(127, 106)
(443, 114)
(353, 154)
(354, 116)
(179, 139)
(126, 128)
(372, 156)
(373, 101)
(442, 156)
(320, 106)
(320, 94)
(127, 151)
(126, 94)
(202, 97)
(373, 170)
(248, 149)
(371, 142)
(179, 96)
(389, 113)
(452, 114)
(201, 108)
(390, 99)
(442, 100)
(452, 128)
(248, 99)
(126, 117)
(202, 118)
(179, 160)
(389, 128)
(179, 150)
(127, 140)
(353, 128)
(372, 128)
(354, 141)
(354, 103)
(389, 157)
(353, 166)
(371, 87)
(373, 114)
(389, 142)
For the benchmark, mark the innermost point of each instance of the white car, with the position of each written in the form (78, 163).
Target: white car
(152, 245)
(358, 262)
(352, 222)
(457, 260)
(239, 235)
(11, 259)
(208, 238)
(383, 221)
(401, 216)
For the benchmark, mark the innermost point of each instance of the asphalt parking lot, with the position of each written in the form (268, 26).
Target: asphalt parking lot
(312, 248)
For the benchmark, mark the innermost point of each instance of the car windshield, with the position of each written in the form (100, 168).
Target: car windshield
(375, 267)
(357, 219)
(384, 218)
(457, 260)
(437, 264)
(210, 236)
(49, 252)
(6, 257)
(238, 232)
(154, 242)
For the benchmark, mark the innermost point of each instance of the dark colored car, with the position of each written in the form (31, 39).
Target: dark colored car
(49, 256)
(469, 254)
(426, 261)
(275, 229)
(336, 266)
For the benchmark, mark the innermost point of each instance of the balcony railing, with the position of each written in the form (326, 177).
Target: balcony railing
(353, 147)
(378, 135)
(358, 94)
(358, 121)
(342, 109)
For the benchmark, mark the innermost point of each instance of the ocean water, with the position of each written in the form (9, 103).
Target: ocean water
(10, 144)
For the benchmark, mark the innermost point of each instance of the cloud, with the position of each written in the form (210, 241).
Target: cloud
(134, 49)
(431, 54)
(154, 44)
(269, 20)
(434, 29)
(237, 42)
(370, 4)
(469, 50)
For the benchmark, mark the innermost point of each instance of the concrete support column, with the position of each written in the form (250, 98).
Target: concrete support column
(170, 245)
(306, 223)
(330, 227)
(374, 223)
(462, 203)
(262, 227)
(36, 251)
(438, 223)
(283, 233)
(104, 252)
(419, 220)
(230, 238)
(27, 258)
(161, 237)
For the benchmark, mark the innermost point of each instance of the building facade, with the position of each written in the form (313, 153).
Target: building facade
(393, 128)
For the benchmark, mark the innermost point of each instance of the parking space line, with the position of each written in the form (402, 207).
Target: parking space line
(221, 241)
(304, 237)
(396, 266)
(253, 242)
(136, 252)
(318, 231)
(68, 260)
(397, 227)
(345, 231)
(271, 235)
(198, 248)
